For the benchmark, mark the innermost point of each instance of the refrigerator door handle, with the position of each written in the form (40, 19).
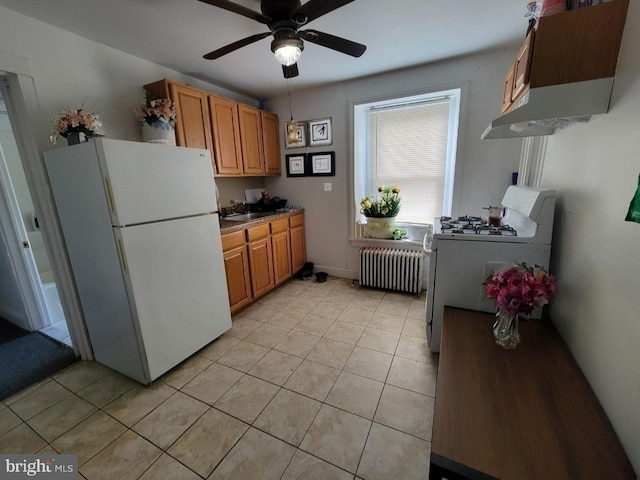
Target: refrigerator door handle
(107, 188)
(123, 258)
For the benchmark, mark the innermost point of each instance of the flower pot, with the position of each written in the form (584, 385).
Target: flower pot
(76, 138)
(380, 227)
(159, 132)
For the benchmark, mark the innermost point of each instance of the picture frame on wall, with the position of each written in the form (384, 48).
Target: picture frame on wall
(322, 164)
(320, 132)
(298, 136)
(296, 165)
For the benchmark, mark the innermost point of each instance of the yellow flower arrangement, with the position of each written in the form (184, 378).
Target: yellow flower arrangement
(388, 205)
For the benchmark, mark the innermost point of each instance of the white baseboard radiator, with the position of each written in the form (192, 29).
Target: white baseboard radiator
(391, 269)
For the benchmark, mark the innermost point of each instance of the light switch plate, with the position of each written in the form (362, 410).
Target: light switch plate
(327, 187)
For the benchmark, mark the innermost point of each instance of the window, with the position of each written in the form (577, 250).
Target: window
(409, 142)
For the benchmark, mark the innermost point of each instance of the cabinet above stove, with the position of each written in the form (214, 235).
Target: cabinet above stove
(563, 73)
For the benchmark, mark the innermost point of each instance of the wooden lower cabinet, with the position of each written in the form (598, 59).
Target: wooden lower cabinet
(261, 266)
(281, 250)
(258, 258)
(236, 265)
(298, 250)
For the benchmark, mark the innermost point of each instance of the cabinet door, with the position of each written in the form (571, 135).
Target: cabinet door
(192, 116)
(236, 265)
(261, 266)
(298, 251)
(226, 135)
(271, 143)
(522, 67)
(507, 93)
(281, 256)
(251, 138)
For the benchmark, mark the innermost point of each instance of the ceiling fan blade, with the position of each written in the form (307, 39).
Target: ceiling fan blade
(313, 9)
(290, 71)
(235, 46)
(239, 9)
(335, 43)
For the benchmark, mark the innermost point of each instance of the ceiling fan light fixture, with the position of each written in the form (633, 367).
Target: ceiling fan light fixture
(287, 50)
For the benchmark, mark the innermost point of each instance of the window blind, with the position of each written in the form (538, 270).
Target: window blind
(408, 148)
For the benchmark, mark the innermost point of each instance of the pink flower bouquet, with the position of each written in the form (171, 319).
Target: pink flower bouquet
(160, 110)
(520, 289)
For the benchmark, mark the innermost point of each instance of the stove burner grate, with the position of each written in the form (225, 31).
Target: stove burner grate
(470, 225)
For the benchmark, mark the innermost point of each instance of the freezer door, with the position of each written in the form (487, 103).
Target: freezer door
(146, 182)
(175, 276)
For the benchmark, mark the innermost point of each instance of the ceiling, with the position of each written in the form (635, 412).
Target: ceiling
(177, 33)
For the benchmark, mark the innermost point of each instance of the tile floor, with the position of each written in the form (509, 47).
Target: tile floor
(314, 381)
(58, 331)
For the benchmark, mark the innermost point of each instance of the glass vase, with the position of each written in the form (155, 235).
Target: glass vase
(505, 331)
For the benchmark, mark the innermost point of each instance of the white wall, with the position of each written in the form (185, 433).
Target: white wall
(485, 166)
(596, 254)
(60, 70)
(70, 71)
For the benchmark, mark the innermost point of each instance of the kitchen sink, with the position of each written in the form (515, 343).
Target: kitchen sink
(245, 217)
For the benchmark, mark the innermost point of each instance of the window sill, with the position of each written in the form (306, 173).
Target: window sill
(404, 244)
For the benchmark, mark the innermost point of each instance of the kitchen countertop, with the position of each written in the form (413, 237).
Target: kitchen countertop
(228, 226)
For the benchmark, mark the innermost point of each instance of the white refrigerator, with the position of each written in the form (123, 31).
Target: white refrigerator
(143, 238)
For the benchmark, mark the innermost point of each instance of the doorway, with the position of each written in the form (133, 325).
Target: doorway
(34, 280)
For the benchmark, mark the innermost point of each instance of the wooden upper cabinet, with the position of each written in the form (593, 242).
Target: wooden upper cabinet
(578, 45)
(225, 125)
(573, 46)
(271, 143)
(192, 116)
(251, 137)
(507, 93)
(192, 112)
(522, 67)
(242, 139)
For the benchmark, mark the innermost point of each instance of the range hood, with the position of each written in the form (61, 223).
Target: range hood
(541, 110)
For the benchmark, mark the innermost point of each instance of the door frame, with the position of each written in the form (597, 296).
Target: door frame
(17, 245)
(21, 99)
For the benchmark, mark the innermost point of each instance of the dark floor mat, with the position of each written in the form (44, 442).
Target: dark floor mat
(9, 331)
(29, 359)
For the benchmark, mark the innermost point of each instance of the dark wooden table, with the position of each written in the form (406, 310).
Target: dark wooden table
(527, 413)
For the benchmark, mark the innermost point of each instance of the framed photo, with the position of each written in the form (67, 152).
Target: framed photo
(295, 134)
(296, 165)
(322, 164)
(320, 132)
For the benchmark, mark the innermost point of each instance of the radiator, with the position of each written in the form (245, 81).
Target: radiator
(391, 269)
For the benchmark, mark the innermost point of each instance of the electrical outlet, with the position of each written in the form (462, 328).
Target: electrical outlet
(327, 187)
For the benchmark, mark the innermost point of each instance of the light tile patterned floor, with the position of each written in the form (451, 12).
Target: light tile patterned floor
(314, 381)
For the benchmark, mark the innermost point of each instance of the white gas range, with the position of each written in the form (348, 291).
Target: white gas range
(464, 251)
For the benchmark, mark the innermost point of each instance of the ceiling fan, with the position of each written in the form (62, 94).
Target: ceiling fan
(284, 18)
